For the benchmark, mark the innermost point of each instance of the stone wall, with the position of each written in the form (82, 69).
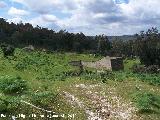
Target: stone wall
(104, 63)
(109, 63)
(117, 64)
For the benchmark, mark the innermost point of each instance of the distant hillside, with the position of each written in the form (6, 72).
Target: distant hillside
(124, 37)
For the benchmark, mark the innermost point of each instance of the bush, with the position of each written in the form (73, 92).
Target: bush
(142, 69)
(121, 76)
(153, 79)
(152, 69)
(20, 66)
(3, 106)
(9, 84)
(8, 50)
(148, 47)
(138, 69)
(42, 98)
(147, 102)
(9, 104)
(101, 75)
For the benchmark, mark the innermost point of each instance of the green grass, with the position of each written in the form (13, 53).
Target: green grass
(147, 102)
(128, 63)
(46, 76)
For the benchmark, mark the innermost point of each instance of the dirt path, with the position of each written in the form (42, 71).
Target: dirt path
(98, 106)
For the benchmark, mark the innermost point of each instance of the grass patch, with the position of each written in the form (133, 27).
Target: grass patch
(10, 85)
(129, 63)
(47, 75)
(147, 102)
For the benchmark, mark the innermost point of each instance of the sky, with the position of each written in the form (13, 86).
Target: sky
(92, 17)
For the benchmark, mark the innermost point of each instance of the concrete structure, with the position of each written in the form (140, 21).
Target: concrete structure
(109, 63)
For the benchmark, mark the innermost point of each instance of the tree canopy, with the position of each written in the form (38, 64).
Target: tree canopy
(21, 35)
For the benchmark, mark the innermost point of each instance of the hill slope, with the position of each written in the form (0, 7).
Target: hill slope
(53, 85)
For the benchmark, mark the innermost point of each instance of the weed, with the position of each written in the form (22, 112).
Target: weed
(9, 104)
(42, 98)
(147, 102)
(11, 85)
(101, 76)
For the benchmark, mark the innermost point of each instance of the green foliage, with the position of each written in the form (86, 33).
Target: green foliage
(121, 76)
(10, 84)
(3, 106)
(20, 66)
(14, 103)
(147, 102)
(153, 79)
(21, 35)
(149, 47)
(102, 76)
(129, 63)
(47, 66)
(138, 69)
(9, 104)
(42, 98)
(103, 44)
(143, 69)
(8, 50)
(123, 48)
(146, 46)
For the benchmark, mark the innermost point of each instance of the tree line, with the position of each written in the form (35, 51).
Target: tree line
(146, 46)
(21, 35)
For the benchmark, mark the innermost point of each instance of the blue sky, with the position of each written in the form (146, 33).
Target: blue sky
(110, 17)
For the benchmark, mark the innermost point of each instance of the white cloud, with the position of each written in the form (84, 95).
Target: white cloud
(50, 18)
(17, 12)
(96, 16)
(3, 4)
(44, 20)
(18, 1)
(38, 21)
(16, 20)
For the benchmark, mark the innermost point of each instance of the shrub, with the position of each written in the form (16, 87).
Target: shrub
(8, 50)
(121, 76)
(9, 84)
(20, 66)
(3, 106)
(14, 103)
(138, 68)
(42, 98)
(106, 75)
(153, 79)
(148, 47)
(98, 75)
(147, 102)
(9, 104)
(142, 69)
(152, 69)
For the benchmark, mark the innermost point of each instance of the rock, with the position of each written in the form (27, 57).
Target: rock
(29, 48)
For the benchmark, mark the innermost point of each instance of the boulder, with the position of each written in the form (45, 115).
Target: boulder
(29, 48)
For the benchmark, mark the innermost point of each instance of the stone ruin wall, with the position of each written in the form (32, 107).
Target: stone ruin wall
(103, 63)
(109, 63)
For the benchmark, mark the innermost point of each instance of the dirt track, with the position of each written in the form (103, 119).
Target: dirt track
(101, 107)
